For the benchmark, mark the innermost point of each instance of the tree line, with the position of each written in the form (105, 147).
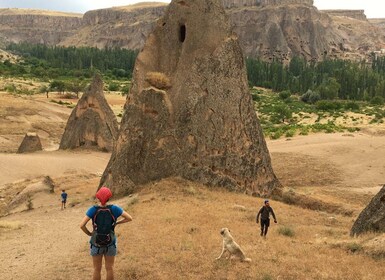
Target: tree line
(330, 79)
(56, 61)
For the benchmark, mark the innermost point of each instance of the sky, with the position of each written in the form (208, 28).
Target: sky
(373, 8)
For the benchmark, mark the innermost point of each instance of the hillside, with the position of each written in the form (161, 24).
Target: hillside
(271, 29)
(37, 26)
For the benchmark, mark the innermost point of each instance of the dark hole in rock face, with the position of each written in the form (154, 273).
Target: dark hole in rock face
(382, 199)
(182, 33)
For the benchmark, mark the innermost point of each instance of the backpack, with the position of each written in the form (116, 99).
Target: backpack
(104, 225)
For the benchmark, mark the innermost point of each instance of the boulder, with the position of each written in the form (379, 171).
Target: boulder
(92, 123)
(190, 112)
(31, 143)
(372, 218)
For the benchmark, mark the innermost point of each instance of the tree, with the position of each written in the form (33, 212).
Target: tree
(58, 85)
(76, 86)
(329, 89)
(283, 112)
(45, 89)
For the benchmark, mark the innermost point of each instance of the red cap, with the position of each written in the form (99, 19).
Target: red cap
(103, 195)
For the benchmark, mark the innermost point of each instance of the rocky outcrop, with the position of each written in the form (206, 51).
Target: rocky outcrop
(126, 27)
(372, 218)
(190, 112)
(228, 4)
(92, 123)
(31, 143)
(279, 33)
(356, 14)
(37, 27)
(379, 23)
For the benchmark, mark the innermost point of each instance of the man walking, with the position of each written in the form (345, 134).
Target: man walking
(63, 199)
(265, 212)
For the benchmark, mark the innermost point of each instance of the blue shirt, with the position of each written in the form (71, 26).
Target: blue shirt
(115, 210)
(63, 196)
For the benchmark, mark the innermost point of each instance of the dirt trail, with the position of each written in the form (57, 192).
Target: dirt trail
(48, 238)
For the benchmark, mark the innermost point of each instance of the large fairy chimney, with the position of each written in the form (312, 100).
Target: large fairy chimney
(190, 113)
(92, 123)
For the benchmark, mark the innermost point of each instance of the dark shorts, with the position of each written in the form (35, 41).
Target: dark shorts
(64, 201)
(265, 223)
(107, 251)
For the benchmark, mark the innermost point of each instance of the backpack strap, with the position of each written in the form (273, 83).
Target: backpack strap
(98, 209)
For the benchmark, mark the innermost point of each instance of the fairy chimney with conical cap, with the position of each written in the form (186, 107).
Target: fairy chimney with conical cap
(31, 143)
(92, 123)
(190, 112)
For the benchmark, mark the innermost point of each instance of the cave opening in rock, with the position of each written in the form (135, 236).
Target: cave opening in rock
(182, 33)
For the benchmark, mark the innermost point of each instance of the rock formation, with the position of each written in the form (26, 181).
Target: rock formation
(356, 14)
(372, 218)
(190, 113)
(228, 4)
(92, 123)
(282, 32)
(268, 29)
(126, 27)
(31, 143)
(37, 27)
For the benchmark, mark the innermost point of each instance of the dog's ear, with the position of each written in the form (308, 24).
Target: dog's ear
(222, 231)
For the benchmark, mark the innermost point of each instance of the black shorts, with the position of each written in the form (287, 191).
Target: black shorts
(265, 223)
(64, 201)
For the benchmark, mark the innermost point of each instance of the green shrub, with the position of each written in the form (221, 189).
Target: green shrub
(10, 88)
(255, 97)
(310, 97)
(353, 106)
(286, 231)
(354, 247)
(325, 105)
(377, 100)
(290, 133)
(284, 94)
(276, 135)
(113, 86)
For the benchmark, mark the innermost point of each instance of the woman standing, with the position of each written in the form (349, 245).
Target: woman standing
(103, 240)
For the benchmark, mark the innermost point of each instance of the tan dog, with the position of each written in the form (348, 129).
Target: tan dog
(231, 246)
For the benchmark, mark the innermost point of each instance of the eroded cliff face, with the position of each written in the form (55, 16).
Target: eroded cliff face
(356, 14)
(37, 27)
(270, 29)
(360, 37)
(281, 32)
(125, 27)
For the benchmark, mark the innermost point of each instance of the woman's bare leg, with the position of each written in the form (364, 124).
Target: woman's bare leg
(110, 266)
(97, 261)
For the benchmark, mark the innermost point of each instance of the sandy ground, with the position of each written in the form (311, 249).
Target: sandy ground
(45, 243)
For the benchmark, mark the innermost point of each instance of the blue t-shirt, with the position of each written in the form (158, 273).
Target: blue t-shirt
(64, 196)
(115, 210)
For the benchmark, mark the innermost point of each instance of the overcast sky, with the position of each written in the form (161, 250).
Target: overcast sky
(373, 8)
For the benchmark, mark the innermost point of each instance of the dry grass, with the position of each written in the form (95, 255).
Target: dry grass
(175, 234)
(10, 225)
(158, 80)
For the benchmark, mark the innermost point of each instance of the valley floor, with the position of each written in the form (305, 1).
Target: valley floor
(175, 231)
